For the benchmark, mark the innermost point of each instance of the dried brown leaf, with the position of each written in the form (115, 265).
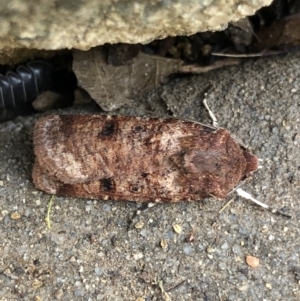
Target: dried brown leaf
(114, 86)
(282, 33)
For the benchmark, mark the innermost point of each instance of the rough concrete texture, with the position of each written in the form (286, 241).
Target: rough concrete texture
(105, 250)
(84, 24)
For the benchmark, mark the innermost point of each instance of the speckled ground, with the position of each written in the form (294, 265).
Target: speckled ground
(113, 251)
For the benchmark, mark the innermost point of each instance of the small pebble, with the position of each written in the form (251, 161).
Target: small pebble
(224, 246)
(139, 225)
(222, 266)
(177, 229)
(164, 243)
(58, 294)
(252, 261)
(98, 271)
(78, 293)
(243, 288)
(271, 237)
(138, 256)
(237, 250)
(190, 238)
(46, 101)
(4, 280)
(144, 233)
(169, 234)
(188, 250)
(106, 207)
(15, 215)
(36, 283)
(210, 249)
(269, 286)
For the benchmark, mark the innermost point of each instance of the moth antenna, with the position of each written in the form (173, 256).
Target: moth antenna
(248, 196)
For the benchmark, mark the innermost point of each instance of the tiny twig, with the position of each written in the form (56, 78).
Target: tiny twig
(165, 295)
(196, 69)
(48, 212)
(226, 205)
(239, 55)
(176, 286)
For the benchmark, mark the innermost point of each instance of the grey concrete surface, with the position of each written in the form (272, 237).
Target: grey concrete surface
(94, 250)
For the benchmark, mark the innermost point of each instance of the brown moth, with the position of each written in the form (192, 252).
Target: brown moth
(136, 159)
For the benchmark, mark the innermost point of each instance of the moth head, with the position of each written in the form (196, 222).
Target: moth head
(251, 163)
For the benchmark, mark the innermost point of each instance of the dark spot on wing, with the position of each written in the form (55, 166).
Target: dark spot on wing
(138, 128)
(107, 184)
(108, 130)
(135, 188)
